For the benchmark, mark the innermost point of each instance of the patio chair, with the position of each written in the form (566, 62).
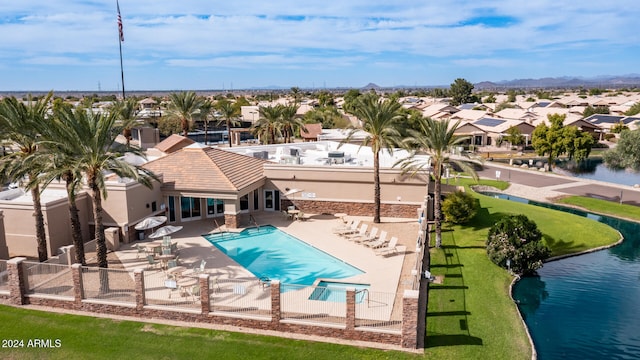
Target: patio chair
(350, 230)
(152, 262)
(382, 241)
(391, 248)
(286, 215)
(199, 269)
(345, 226)
(371, 236)
(194, 291)
(360, 233)
(140, 250)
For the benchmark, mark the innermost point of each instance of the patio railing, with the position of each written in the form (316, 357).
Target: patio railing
(116, 285)
(239, 296)
(48, 279)
(302, 302)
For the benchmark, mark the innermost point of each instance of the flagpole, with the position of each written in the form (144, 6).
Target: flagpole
(120, 40)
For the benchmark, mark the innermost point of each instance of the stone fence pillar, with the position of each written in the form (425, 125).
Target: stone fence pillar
(205, 299)
(138, 277)
(275, 303)
(351, 309)
(76, 274)
(16, 281)
(410, 319)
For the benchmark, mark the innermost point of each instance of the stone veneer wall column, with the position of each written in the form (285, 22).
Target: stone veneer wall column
(232, 221)
(16, 283)
(275, 303)
(76, 274)
(410, 319)
(403, 210)
(138, 277)
(351, 309)
(205, 299)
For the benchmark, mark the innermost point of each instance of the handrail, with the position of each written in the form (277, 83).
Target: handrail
(254, 221)
(219, 227)
(367, 295)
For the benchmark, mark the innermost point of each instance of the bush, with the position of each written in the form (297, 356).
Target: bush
(516, 239)
(459, 207)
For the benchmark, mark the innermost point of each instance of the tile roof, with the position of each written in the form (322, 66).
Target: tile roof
(313, 130)
(173, 143)
(207, 169)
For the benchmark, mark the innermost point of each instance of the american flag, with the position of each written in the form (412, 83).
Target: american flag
(119, 23)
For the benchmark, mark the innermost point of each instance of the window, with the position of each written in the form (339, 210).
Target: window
(154, 206)
(189, 207)
(215, 207)
(172, 209)
(244, 202)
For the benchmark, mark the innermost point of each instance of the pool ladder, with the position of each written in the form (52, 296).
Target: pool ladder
(251, 218)
(222, 232)
(366, 291)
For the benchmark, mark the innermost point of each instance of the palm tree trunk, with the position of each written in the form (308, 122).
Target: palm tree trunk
(437, 213)
(76, 232)
(206, 132)
(101, 244)
(41, 236)
(376, 187)
(229, 131)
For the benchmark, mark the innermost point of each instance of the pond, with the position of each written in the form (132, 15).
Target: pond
(595, 169)
(585, 307)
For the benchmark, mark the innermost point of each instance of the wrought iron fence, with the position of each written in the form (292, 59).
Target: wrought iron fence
(313, 304)
(240, 296)
(115, 285)
(163, 290)
(378, 310)
(48, 279)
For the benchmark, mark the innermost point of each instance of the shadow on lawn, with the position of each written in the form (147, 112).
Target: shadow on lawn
(452, 314)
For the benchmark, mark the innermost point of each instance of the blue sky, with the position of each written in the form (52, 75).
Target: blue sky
(195, 45)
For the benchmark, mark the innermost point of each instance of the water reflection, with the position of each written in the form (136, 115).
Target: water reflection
(585, 307)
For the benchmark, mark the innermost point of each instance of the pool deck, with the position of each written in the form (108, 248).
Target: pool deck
(386, 274)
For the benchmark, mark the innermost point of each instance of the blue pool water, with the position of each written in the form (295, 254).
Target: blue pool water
(337, 291)
(585, 307)
(269, 252)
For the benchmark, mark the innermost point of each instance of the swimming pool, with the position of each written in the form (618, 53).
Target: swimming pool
(337, 291)
(269, 252)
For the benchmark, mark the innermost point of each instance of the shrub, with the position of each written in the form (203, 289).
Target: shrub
(459, 207)
(516, 239)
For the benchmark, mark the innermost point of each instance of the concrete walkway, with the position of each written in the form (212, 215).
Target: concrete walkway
(544, 186)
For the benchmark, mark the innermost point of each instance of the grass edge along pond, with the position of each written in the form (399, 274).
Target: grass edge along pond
(471, 315)
(604, 207)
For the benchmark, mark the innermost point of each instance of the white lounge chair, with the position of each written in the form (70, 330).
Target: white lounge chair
(391, 248)
(382, 241)
(350, 230)
(371, 236)
(360, 233)
(345, 226)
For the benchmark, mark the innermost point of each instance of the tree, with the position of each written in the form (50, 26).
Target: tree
(460, 92)
(627, 153)
(184, 106)
(437, 139)
(229, 114)
(633, 110)
(206, 109)
(459, 207)
(328, 116)
(381, 120)
(514, 243)
(20, 122)
(93, 155)
(590, 110)
(267, 128)
(290, 123)
(556, 140)
(349, 99)
(511, 96)
(126, 111)
(619, 127)
(514, 136)
(295, 93)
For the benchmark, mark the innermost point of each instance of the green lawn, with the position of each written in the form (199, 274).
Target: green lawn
(471, 315)
(83, 337)
(603, 207)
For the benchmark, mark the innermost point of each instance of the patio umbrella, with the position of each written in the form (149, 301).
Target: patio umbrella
(164, 231)
(292, 193)
(150, 222)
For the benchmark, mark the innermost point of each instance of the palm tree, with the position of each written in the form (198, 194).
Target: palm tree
(19, 121)
(93, 157)
(380, 119)
(290, 122)
(268, 125)
(126, 111)
(437, 139)
(184, 106)
(205, 111)
(229, 113)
